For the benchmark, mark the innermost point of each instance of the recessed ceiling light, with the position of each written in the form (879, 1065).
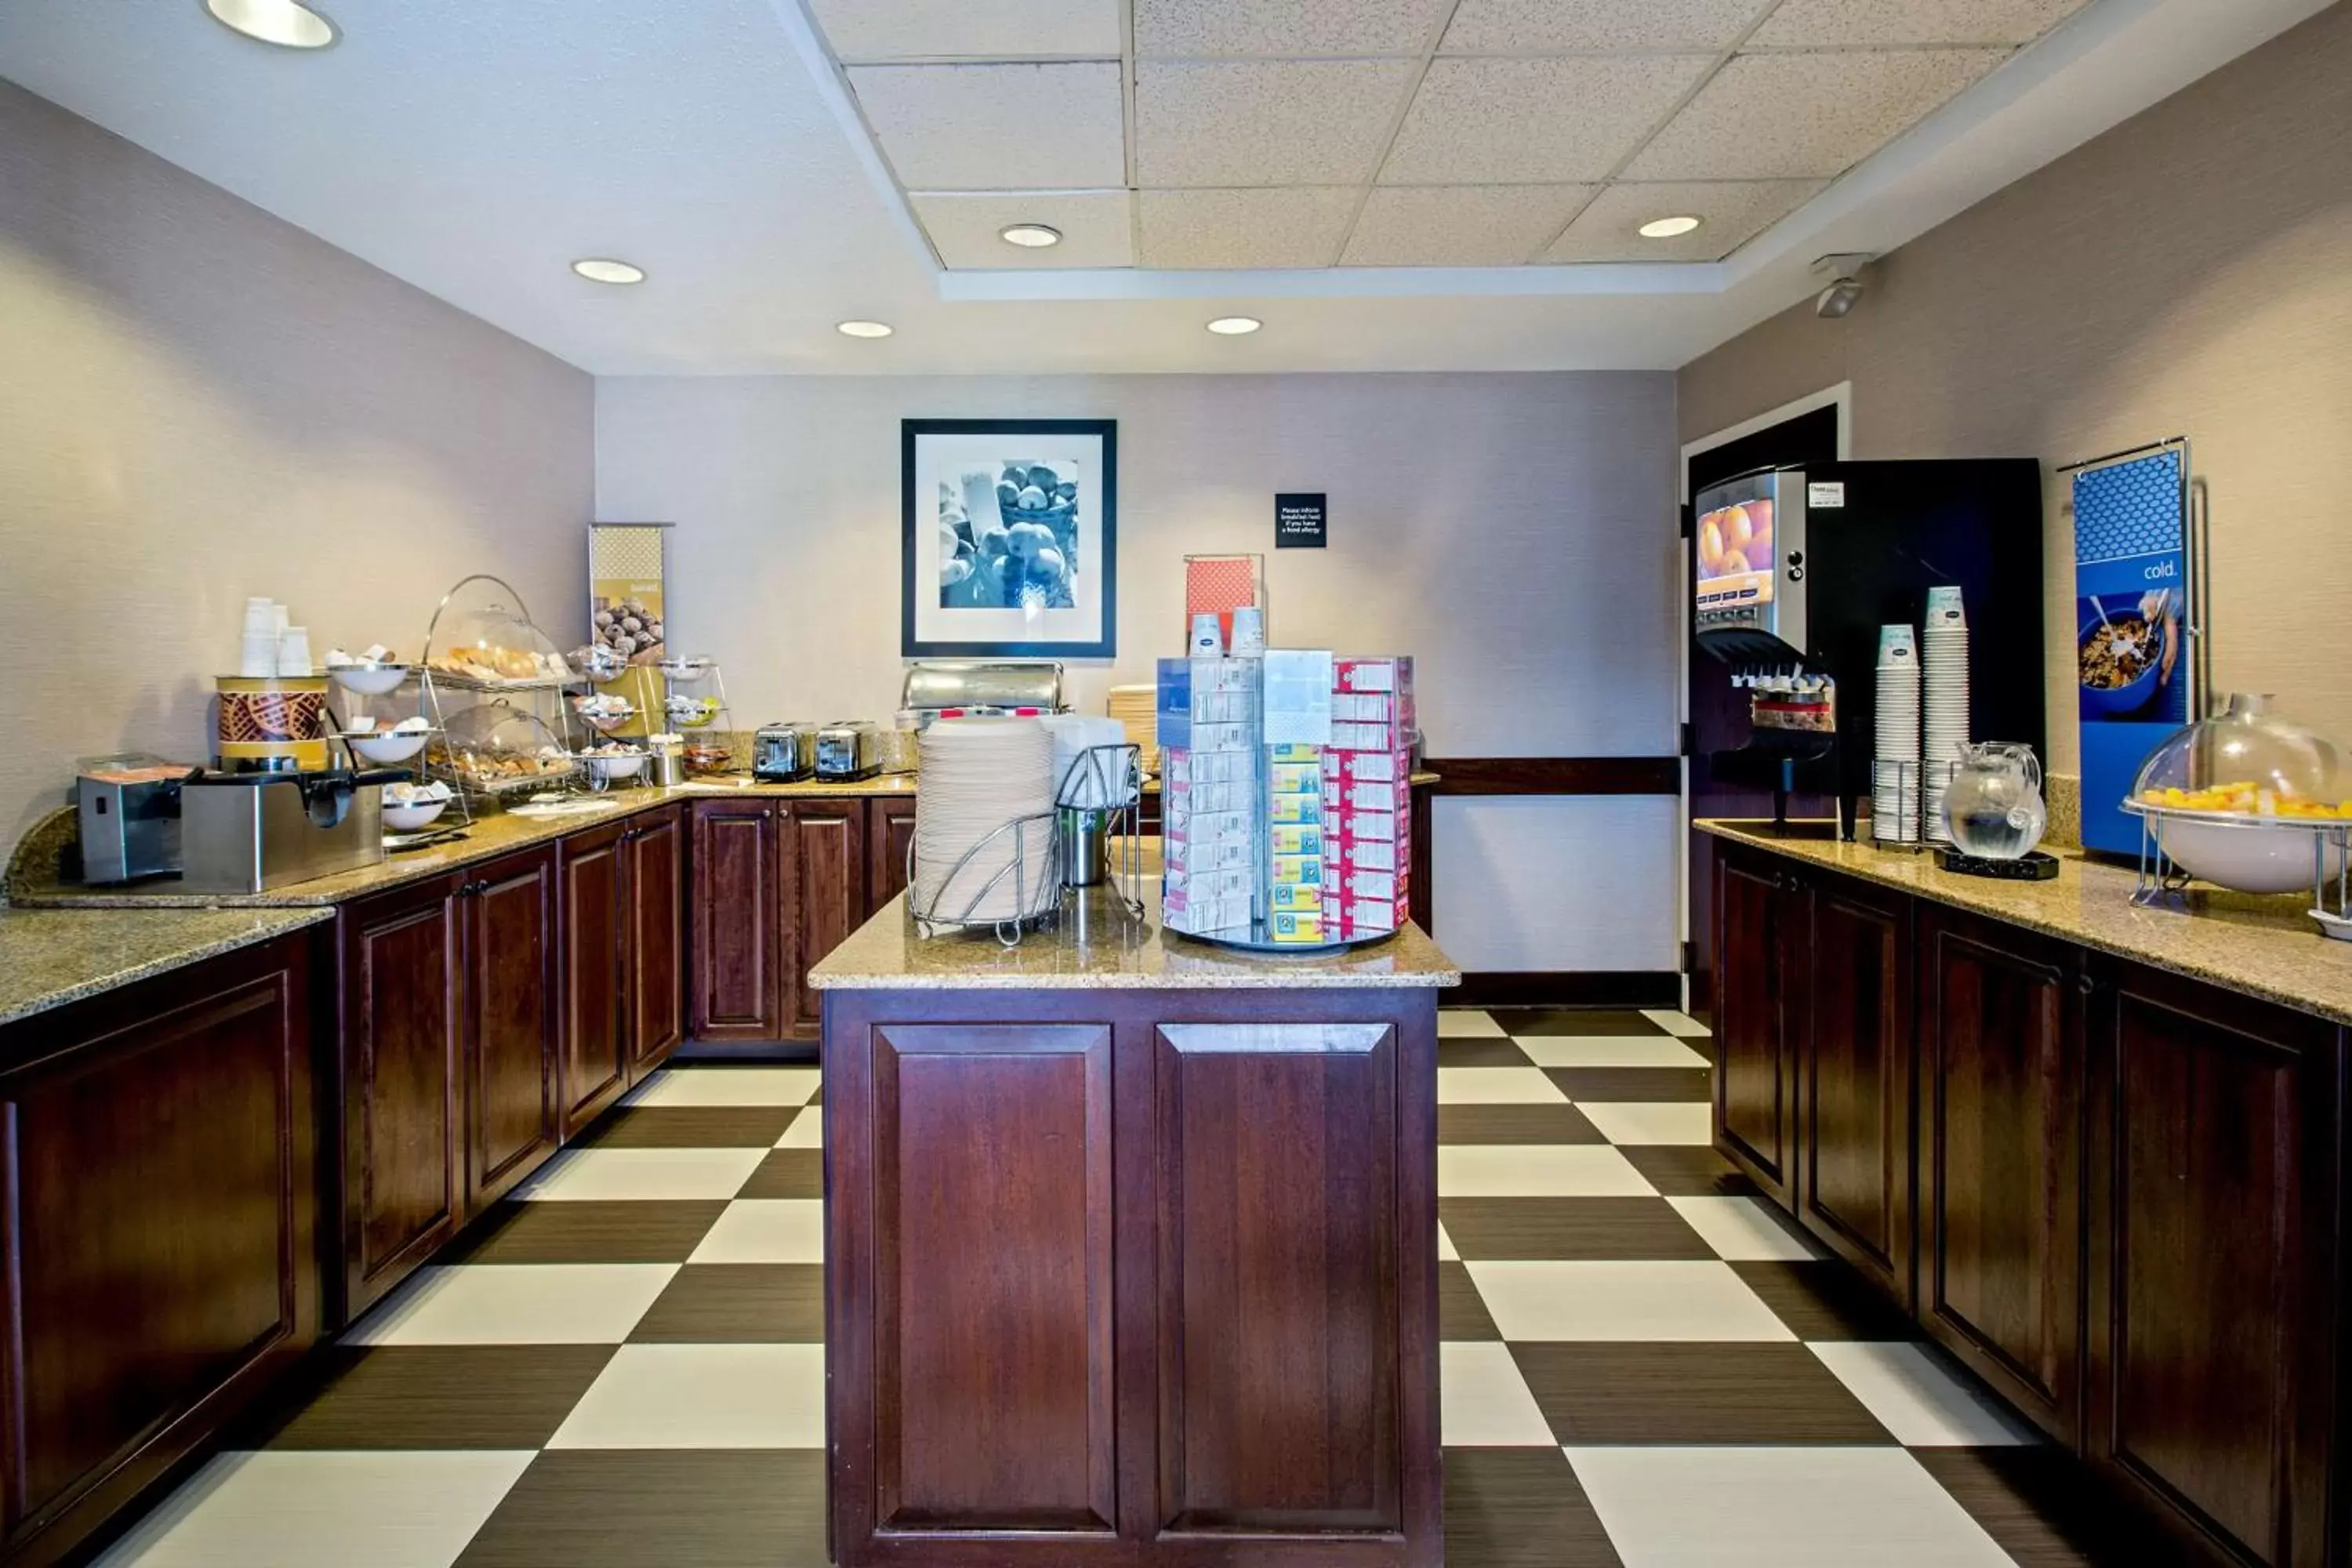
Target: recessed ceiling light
(285, 23)
(1234, 326)
(863, 328)
(1668, 227)
(1029, 236)
(604, 269)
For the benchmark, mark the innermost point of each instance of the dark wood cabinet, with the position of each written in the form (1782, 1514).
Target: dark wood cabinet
(1854, 1183)
(739, 947)
(2215, 1306)
(402, 1099)
(510, 1004)
(594, 924)
(889, 835)
(824, 882)
(158, 1204)
(654, 942)
(1761, 909)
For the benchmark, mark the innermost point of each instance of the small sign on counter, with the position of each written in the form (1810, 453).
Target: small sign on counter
(1301, 521)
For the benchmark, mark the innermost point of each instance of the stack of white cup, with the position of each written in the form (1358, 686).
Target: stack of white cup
(258, 650)
(1894, 778)
(1944, 667)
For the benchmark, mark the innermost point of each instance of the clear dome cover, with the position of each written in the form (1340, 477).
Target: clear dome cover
(482, 637)
(2246, 760)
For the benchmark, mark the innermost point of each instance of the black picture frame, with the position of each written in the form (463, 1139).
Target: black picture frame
(915, 507)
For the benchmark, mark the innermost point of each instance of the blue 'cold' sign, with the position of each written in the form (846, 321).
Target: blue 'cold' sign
(2131, 592)
(1301, 521)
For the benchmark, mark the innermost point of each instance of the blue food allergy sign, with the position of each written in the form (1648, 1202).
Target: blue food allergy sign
(2133, 671)
(1300, 521)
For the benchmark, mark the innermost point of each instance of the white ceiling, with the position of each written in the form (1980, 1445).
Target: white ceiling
(1430, 148)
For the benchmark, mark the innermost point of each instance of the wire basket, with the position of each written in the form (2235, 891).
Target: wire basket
(1104, 787)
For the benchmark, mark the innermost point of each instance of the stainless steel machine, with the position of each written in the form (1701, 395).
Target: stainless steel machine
(248, 832)
(982, 689)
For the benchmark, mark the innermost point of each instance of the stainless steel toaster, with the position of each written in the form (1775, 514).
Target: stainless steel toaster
(784, 752)
(851, 749)
(129, 811)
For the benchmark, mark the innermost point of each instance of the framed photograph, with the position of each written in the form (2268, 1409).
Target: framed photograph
(1011, 541)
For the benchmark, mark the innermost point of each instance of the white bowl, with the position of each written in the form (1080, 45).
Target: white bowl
(388, 745)
(414, 814)
(369, 679)
(613, 769)
(2247, 854)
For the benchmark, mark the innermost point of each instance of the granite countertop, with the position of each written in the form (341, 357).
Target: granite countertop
(887, 955)
(2264, 946)
(48, 958)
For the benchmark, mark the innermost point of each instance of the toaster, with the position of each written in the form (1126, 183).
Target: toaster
(129, 810)
(782, 753)
(849, 750)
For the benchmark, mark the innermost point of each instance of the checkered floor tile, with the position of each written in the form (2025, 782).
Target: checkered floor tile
(1641, 1363)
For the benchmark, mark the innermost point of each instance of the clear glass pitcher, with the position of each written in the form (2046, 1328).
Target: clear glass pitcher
(1993, 808)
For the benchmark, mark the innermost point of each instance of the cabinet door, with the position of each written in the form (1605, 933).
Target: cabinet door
(2214, 1249)
(737, 943)
(1754, 1123)
(824, 883)
(889, 833)
(2001, 1160)
(511, 1023)
(593, 922)
(402, 1175)
(655, 939)
(158, 1199)
(1853, 1110)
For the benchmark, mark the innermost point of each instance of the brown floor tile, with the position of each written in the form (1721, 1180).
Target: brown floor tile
(1573, 1021)
(1596, 1392)
(729, 1507)
(651, 1231)
(691, 1127)
(2046, 1510)
(439, 1396)
(738, 1303)
(1481, 1053)
(1570, 1230)
(1688, 1171)
(1515, 1124)
(1826, 1301)
(787, 1173)
(1461, 1311)
(1605, 1085)
(1520, 1508)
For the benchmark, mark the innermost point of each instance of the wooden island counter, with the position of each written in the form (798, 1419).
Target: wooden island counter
(1131, 1251)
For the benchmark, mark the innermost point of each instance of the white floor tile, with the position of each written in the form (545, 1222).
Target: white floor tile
(1645, 1122)
(1623, 1301)
(1742, 1231)
(766, 1230)
(1538, 1170)
(1915, 1398)
(702, 1396)
(1496, 1086)
(1607, 1051)
(728, 1086)
(392, 1509)
(515, 1304)
(589, 1173)
(1779, 1508)
(1483, 1403)
(1674, 1023)
(807, 1130)
(1445, 1252)
(1467, 1023)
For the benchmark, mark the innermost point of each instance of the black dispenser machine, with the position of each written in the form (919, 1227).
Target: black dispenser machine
(1795, 570)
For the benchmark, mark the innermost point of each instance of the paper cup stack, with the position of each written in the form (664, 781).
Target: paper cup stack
(1895, 780)
(977, 775)
(1943, 676)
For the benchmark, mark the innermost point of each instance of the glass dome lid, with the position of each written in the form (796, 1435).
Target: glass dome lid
(2245, 762)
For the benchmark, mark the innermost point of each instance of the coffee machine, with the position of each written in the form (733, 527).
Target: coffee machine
(1795, 570)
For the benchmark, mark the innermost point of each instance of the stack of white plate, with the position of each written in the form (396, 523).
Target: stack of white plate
(1895, 780)
(1944, 677)
(977, 775)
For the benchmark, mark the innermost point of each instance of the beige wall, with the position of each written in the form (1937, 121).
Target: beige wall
(199, 402)
(2188, 273)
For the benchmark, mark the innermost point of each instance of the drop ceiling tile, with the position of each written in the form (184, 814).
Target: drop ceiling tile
(965, 227)
(971, 30)
(1300, 225)
(1731, 213)
(1799, 116)
(1459, 226)
(1292, 122)
(1177, 28)
(998, 127)
(1884, 22)
(1527, 27)
(1493, 121)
